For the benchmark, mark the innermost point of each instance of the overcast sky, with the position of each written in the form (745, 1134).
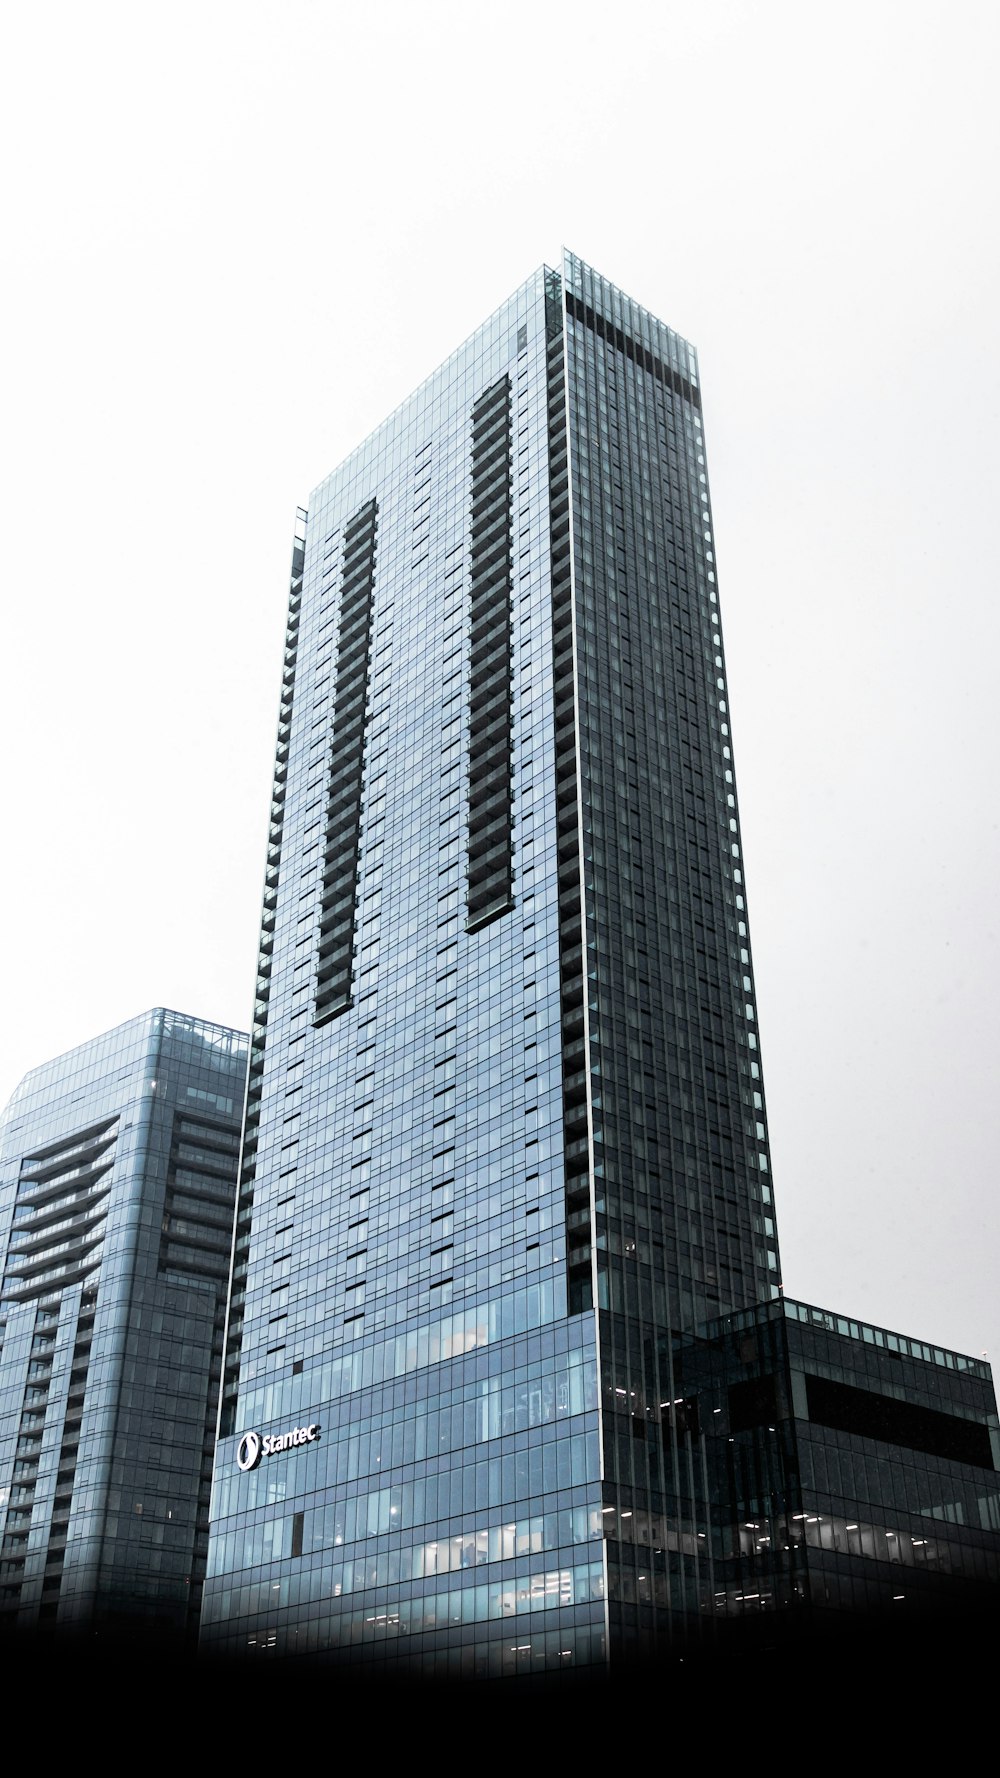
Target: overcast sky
(235, 236)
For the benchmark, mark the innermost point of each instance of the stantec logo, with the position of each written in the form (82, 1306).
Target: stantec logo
(252, 1447)
(248, 1451)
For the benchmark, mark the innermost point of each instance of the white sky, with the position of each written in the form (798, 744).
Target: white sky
(235, 236)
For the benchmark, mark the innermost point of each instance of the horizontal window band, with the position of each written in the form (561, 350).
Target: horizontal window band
(484, 916)
(334, 983)
(361, 528)
(324, 1013)
(491, 509)
(491, 815)
(491, 408)
(339, 855)
(632, 349)
(360, 532)
(491, 662)
(487, 582)
(346, 774)
(358, 540)
(489, 849)
(490, 675)
(488, 810)
(338, 897)
(491, 657)
(340, 882)
(355, 631)
(355, 569)
(491, 437)
(489, 429)
(349, 700)
(496, 396)
(335, 987)
(343, 837)
(491, 463)
(491, 622)
(488, 700)
(336, 939)
(340, 878)
(490, 416)
(348, 740)
(491, 503)
(347, 799)
(488, 533)
(488, 861)
(354, 659)
(492, 550)
(488, 763)
(334, 951)
(491, 776)
(490, 743)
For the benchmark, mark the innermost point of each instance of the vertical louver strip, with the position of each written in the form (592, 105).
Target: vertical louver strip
(490, 831)
(255, 1075)
(334, 973)
(576, 1136)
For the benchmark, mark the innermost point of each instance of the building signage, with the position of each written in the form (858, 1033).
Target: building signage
(252, 1447)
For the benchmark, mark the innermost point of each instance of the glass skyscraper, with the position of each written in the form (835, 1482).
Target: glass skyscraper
(118, 1165)
(506, 1129)
(506, 1145)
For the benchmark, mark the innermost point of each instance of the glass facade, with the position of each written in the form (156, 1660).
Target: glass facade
(505, 1132)
(118, 1167)
(850, 1472)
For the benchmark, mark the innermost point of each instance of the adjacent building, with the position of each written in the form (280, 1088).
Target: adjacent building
(505, 1187)
(118, 1167)
(849, 1473)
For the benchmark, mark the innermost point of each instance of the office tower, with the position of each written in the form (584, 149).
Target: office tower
(506, 1132)
(509, 1380)
(118, 1164)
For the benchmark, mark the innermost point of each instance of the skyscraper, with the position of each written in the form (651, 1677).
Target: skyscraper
(118, 1170)
(506, 1128)
(506, 1141)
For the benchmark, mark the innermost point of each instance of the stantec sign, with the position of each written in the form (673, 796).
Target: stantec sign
(252, 1447)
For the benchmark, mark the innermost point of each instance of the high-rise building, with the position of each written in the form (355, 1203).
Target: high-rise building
(506, 1141)
(118, 1165)
(506, 1128)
